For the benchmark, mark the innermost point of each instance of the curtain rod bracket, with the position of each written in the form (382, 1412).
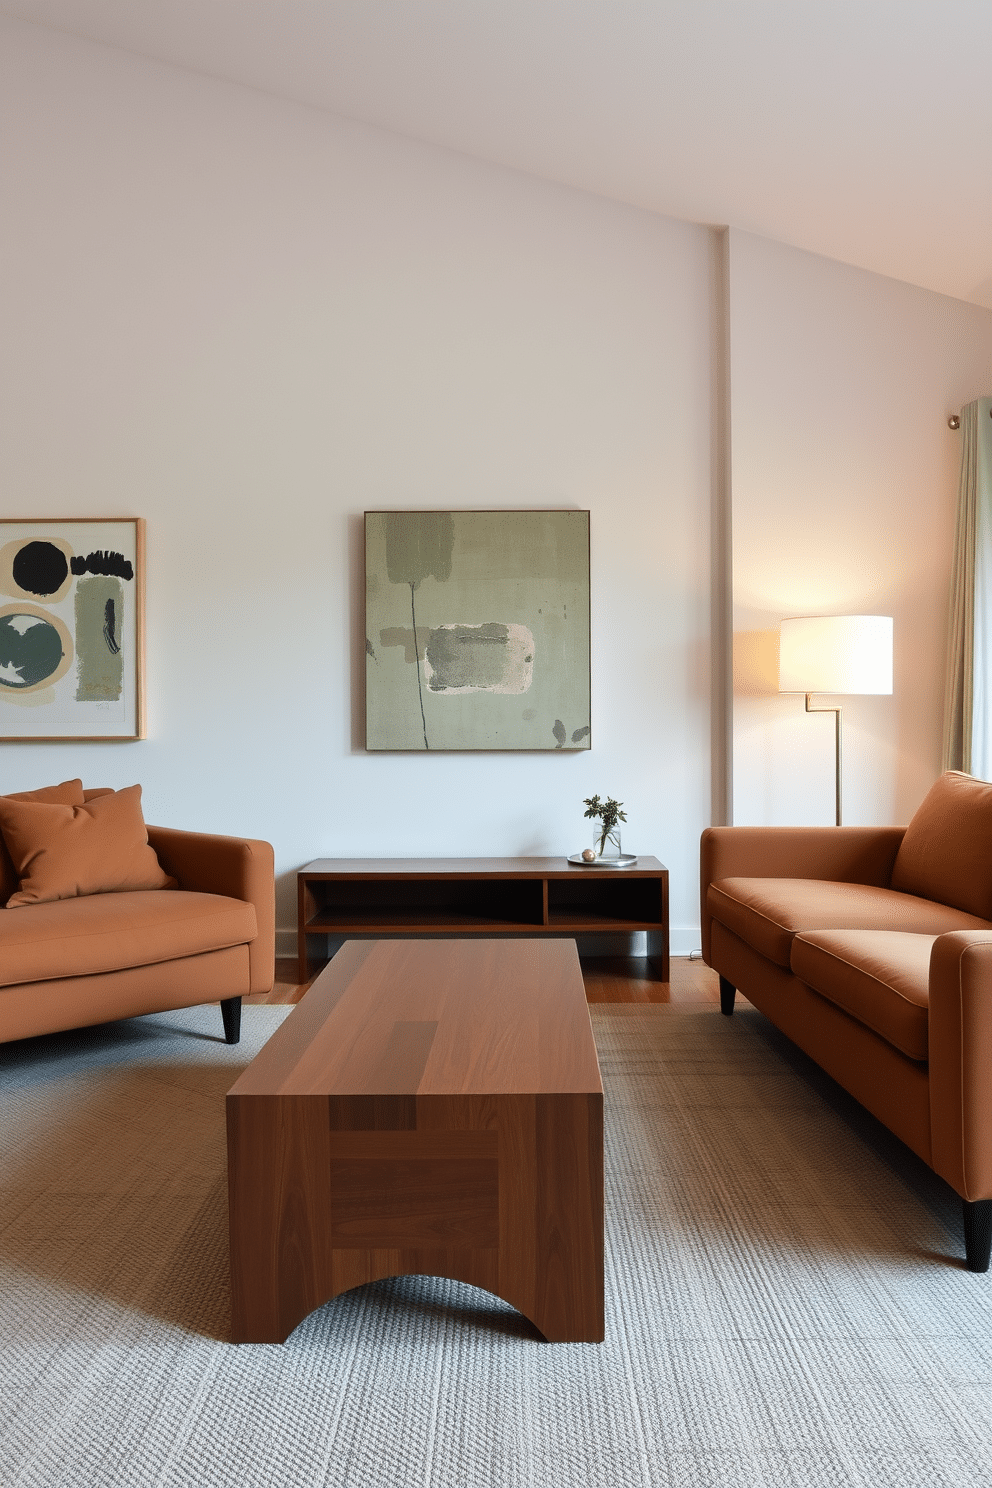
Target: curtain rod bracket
(954, 422)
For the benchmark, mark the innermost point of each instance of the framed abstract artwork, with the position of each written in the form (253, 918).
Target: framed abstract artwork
(477, 630)
(71, 628)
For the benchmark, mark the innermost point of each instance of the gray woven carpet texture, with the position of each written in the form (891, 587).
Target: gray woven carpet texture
(786, 1303)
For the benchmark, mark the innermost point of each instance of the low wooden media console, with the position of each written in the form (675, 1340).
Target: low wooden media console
(384, 898)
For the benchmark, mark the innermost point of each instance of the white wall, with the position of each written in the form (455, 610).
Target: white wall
(844, 484)
(248, 322)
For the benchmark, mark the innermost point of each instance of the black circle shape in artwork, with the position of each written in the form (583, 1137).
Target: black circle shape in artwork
(39, 568)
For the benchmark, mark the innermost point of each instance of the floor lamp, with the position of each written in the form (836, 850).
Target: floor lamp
(835, 654)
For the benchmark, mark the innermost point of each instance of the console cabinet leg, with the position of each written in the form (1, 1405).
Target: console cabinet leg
(977, 1234)
(727, 994)
(230, 1011)
(658, 954)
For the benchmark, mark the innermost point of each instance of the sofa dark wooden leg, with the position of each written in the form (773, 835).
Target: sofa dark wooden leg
(977, 1234)
(230, 1011)
(727, 994)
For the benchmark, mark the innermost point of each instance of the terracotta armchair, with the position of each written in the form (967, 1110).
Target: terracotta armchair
(98, 956)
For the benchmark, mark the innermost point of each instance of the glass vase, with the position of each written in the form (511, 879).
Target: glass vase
(608, 845)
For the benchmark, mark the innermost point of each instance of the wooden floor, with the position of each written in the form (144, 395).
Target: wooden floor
(620, 979)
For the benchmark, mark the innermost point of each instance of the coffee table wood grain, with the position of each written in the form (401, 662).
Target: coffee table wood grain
(428, 1107)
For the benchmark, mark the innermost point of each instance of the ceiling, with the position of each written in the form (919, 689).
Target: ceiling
(859, 129)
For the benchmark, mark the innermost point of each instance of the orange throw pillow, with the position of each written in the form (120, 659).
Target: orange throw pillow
(69, 793)
(65, 852)
(945, 852)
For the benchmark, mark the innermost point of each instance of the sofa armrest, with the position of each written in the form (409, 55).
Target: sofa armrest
(960, 1061)
(238, 867)
(836, 854)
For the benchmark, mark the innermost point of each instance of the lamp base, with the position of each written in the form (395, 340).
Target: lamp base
(837, 712)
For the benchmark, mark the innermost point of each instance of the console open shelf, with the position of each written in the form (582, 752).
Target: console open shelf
(380, 898)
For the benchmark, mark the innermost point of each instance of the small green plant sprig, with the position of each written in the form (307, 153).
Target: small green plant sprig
(608, 813)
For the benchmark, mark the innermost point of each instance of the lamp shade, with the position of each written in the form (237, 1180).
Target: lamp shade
(836, 653)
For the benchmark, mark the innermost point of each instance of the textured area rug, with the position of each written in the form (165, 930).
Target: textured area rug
(786, 1302)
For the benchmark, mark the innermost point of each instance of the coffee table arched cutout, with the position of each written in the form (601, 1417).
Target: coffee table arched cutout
(430, 1107)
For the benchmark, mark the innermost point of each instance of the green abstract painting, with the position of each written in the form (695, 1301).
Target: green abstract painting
(71, 626)
(477, 630)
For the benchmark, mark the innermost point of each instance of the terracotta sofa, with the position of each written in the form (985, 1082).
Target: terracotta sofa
(871, 948)
(103, 956)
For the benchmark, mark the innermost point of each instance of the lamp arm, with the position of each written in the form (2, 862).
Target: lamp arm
(837, 712)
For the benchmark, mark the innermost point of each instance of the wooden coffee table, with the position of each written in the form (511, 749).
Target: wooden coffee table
(428, 1107)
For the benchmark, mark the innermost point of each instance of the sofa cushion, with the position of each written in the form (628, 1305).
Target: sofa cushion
(880, 977)
(111, 932)
(69, 793)
(767, 912)
(98, 847)
(945, 854)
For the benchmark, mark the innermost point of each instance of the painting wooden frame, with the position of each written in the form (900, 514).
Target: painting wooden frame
(477, 630)
(72, 607)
